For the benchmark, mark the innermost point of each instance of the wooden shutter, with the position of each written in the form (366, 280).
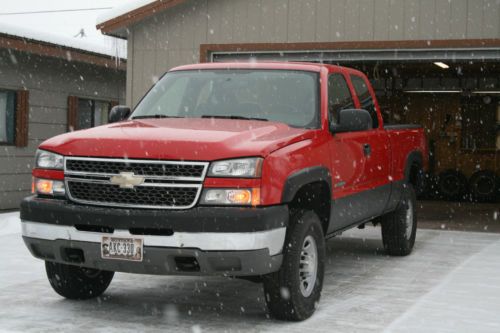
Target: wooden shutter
(22, 112)
(72, 113)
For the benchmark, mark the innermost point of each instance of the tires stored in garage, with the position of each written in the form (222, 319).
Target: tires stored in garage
(484, 186)
(452, 185)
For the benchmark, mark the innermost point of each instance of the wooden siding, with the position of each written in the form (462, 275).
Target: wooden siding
(173, 37)
(49, 83)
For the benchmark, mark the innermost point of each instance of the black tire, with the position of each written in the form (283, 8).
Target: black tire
(398, 235)
(284, 297)
(484, 186)
(75, 282)
(452, 185)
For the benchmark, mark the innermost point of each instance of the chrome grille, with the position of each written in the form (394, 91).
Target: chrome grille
(168, 170)
(162, 184)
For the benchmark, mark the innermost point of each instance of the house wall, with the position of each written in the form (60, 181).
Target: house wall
(173, 37)
(49, 81)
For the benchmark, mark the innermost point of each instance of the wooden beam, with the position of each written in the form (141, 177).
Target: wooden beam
(207, 49)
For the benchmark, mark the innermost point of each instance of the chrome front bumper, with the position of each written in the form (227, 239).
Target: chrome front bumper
(272, 240)
(183, 253)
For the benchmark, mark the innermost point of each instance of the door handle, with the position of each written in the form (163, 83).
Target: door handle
(367, 149)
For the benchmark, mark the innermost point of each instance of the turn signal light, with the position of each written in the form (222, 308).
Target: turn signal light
(48, 187)
(242, 197)
(255, 196)
(239, 197)
(44, 186)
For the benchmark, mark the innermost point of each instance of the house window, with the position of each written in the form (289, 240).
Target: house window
(86, 113)
(7, 117)
(14, 109)
(480, 122)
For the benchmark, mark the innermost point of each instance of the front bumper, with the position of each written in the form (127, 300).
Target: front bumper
(197, 219)
(198, 242)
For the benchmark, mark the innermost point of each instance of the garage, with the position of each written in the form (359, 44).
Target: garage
(453, 92)
(433, 63)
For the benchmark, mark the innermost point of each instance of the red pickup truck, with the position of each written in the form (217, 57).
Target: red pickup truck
(231, 169)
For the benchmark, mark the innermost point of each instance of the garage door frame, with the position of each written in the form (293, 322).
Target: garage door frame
(416, 50)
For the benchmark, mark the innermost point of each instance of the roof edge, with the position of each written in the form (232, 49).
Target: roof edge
(47, 49)
(113, 26)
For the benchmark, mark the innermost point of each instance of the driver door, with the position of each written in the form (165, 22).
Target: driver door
(347, 158)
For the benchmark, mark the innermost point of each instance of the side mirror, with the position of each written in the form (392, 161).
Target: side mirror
(352, 120)
(118, 113)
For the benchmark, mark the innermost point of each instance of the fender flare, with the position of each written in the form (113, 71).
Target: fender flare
(415, 157)
(303, 177)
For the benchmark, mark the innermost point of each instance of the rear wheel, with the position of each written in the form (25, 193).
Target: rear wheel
(399, 228)
(75, 282)
(294, 291)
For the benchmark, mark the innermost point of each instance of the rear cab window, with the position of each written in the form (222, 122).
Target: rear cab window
(365, 98)
(339, 96)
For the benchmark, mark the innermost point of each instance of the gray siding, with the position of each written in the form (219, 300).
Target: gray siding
(50, 82)
(173, 37)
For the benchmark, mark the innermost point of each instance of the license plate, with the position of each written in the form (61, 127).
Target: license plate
(121, 248)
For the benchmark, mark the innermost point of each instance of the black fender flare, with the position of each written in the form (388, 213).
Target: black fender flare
(303, 177)
(420, 182)
(415, 157)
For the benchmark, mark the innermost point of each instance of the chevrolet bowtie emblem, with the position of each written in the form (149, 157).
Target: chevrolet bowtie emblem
(127, 180)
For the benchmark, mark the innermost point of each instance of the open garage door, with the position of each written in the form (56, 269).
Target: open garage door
(453, 93)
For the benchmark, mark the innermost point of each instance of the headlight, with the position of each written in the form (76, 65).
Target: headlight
(243, 168)
(48, 160)
(49, 187)
(239, 197)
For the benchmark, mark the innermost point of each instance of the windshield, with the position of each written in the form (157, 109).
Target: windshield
(290, 97)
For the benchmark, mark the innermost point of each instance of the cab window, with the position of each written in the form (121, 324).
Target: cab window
(365, 98)
(339, 96)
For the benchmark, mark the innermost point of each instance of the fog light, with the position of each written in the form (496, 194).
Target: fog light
(49, 187)
(241, 197)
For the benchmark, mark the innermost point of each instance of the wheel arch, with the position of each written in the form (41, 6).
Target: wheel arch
(414, 169)
(310, 188)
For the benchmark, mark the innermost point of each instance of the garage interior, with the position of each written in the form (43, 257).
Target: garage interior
(453, 93)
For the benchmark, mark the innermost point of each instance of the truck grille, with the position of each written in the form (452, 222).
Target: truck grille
(134, 183)
(173, 171)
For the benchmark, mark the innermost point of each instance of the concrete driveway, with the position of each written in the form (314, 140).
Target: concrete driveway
(451, 283)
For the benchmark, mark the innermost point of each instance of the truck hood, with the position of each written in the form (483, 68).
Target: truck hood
(194, 139)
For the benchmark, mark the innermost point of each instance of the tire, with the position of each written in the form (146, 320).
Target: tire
(75, 282)
(399, 228)
(484, 186)
(452, 185)
(291, 294)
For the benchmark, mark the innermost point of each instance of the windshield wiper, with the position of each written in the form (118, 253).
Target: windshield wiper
(155, 116)
(234, 117)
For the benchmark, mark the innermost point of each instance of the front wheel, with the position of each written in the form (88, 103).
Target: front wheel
(399, 228)
(294, 291)
(75, 282)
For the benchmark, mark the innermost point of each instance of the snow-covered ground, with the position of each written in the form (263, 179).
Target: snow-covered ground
(451, 283)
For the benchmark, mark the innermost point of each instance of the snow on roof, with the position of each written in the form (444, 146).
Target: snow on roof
(112, 49)
(122, 10)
